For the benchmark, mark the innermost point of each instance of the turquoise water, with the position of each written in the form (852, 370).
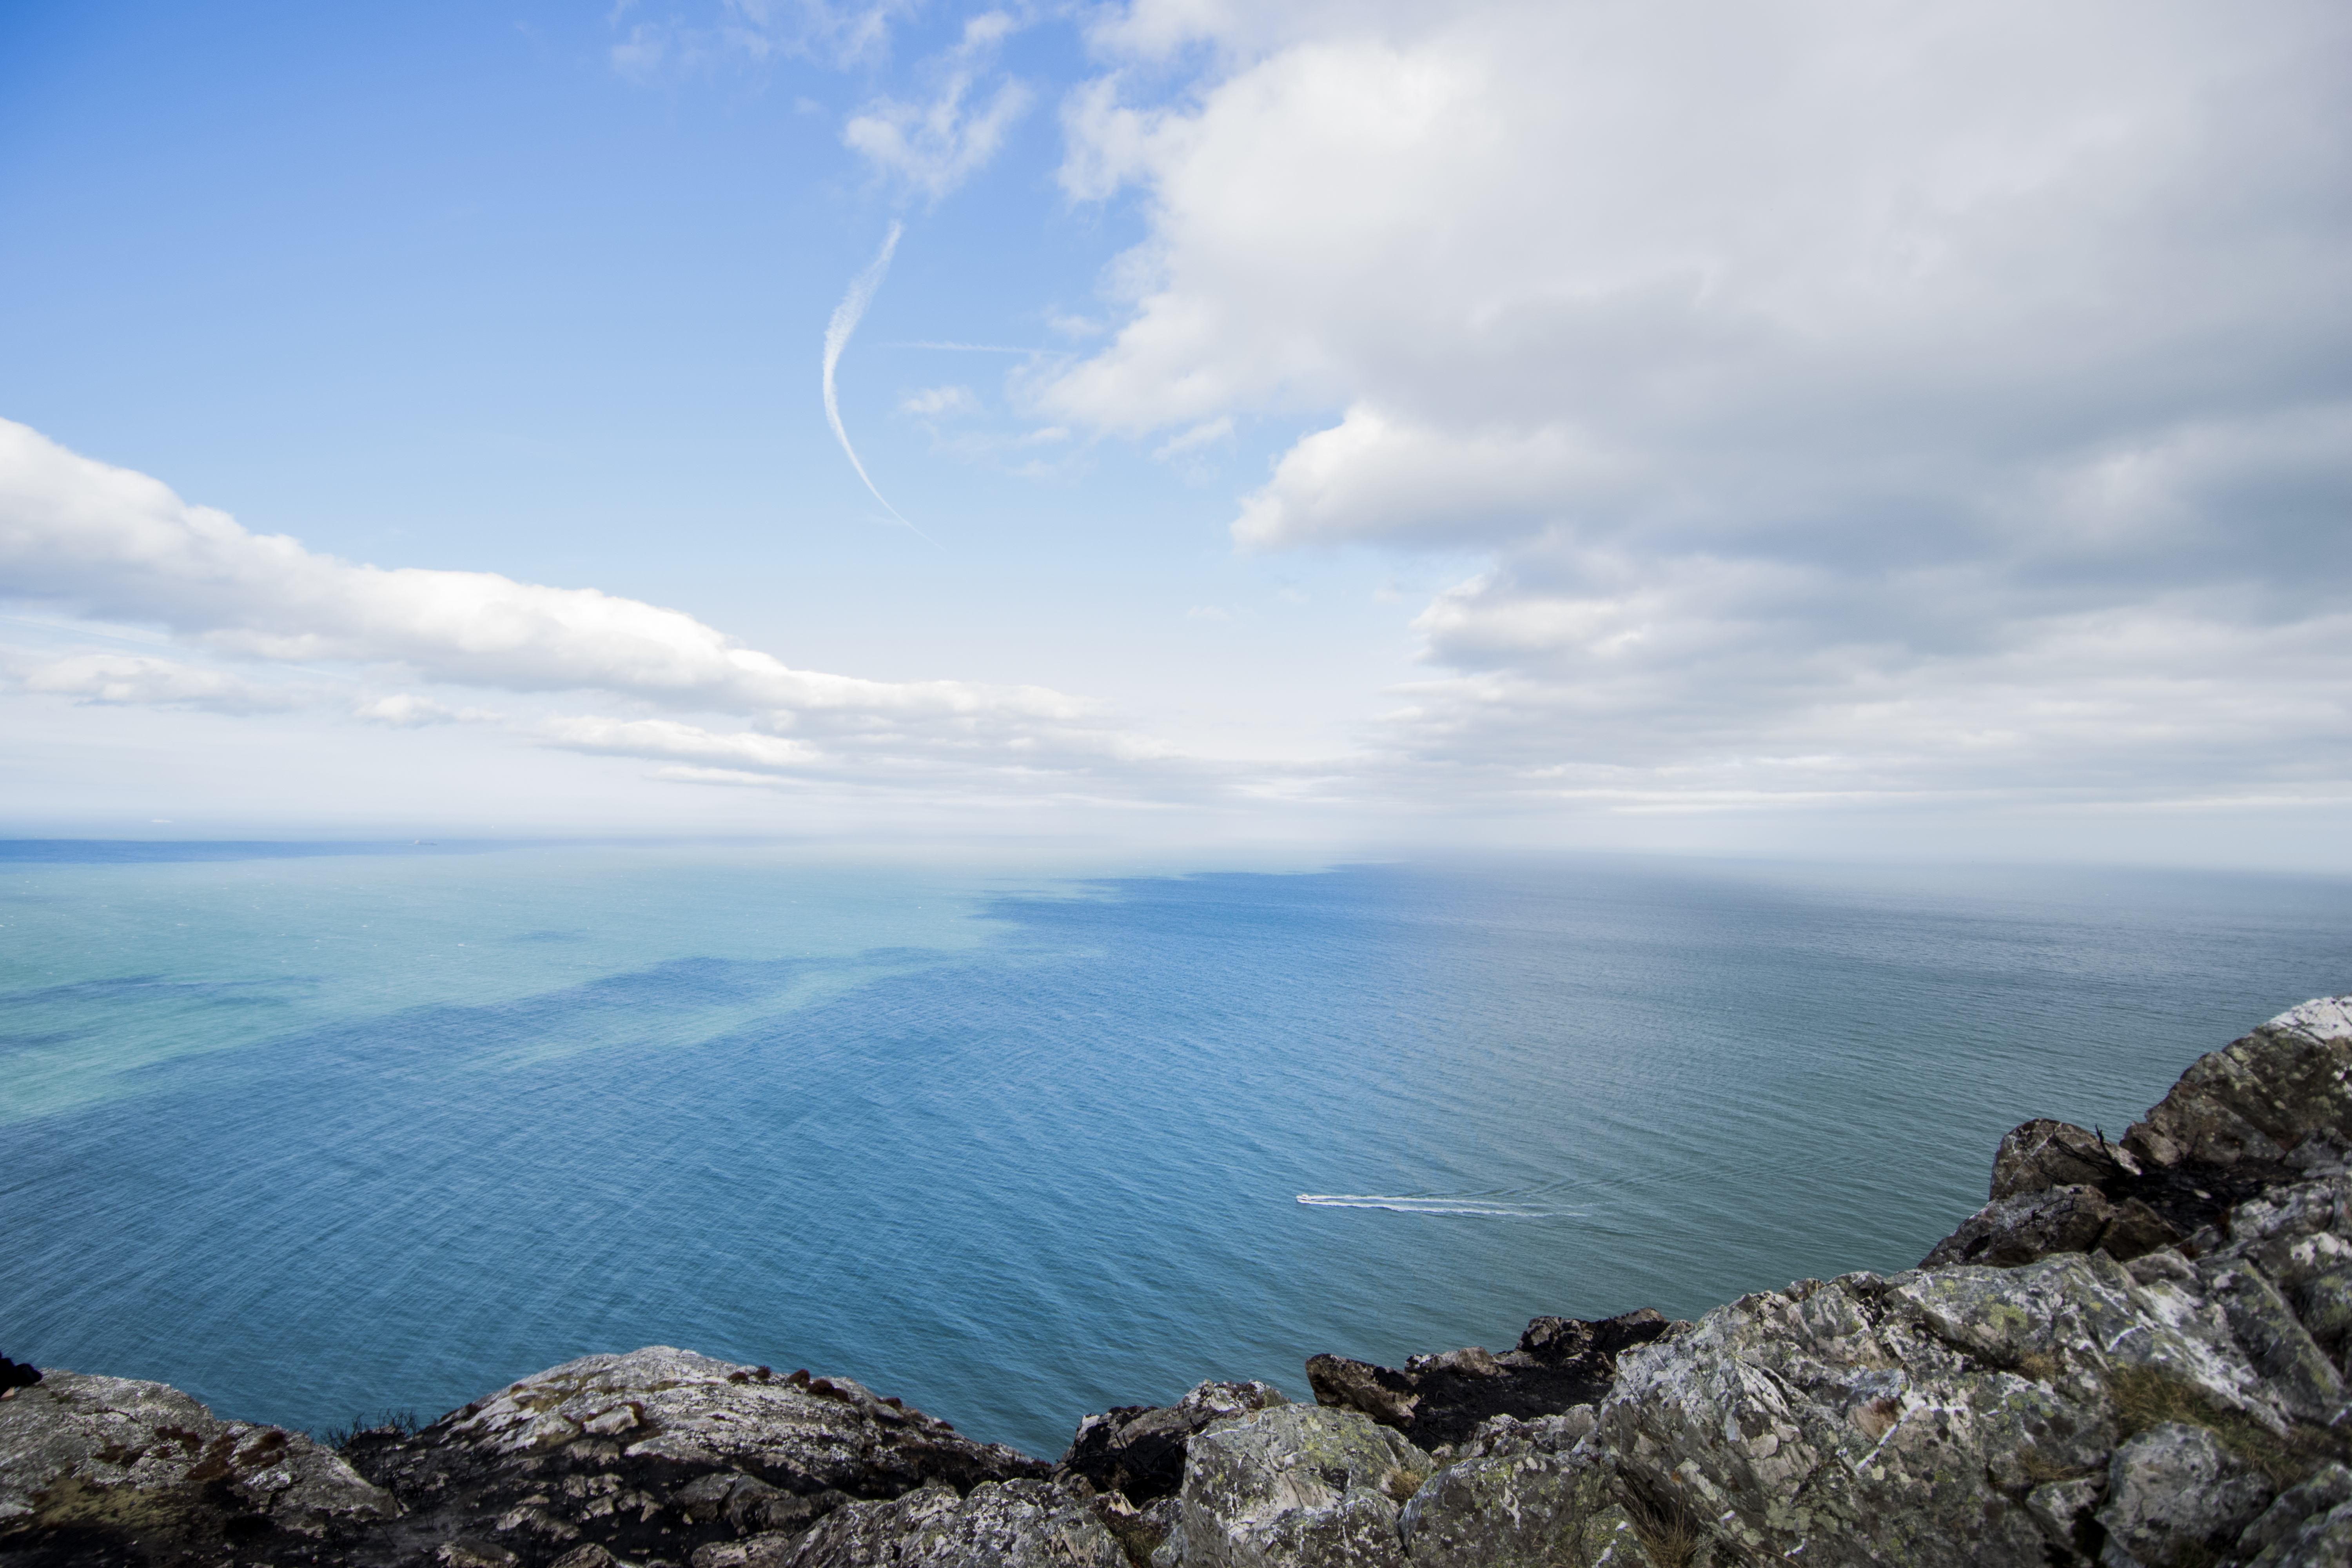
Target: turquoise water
(312, 1134)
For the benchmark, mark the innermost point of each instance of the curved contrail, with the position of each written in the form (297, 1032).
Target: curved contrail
(845, 317)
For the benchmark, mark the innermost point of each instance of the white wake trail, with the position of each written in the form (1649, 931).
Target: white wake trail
(845, 317)
(1480, 1207)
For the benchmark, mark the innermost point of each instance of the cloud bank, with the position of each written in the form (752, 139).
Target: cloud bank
(115, 545)
(1847, 399)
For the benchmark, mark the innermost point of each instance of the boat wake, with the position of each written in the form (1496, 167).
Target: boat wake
(1484, 1208)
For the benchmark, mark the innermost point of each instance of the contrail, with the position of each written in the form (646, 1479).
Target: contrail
(845, 317)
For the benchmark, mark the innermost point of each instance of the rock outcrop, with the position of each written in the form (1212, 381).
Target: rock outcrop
(1000, 1524)
(1138, 1450)
(2262, 1111)
(1557, 1364)
(1131, 1459)
(108, 1470)
(2138, 1354)
(1297, 1484)
(658, 1455)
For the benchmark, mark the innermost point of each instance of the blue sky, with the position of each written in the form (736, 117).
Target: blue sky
(1814, 426)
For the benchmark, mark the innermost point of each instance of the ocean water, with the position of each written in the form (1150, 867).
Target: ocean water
(316, 1131)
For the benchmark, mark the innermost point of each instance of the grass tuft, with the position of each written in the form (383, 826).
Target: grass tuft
(2041, 1469)
(2149, 1396)
(1669, 1530)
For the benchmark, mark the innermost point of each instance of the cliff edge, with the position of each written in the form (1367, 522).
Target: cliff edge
(2136, 1355)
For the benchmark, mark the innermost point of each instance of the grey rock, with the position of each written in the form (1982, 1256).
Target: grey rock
(2175, 1488)
(1557, 1364)
(2066, 1405)
(1515, 1505)
(2062, 1508)
(1301, 1486)
(666, 1404)
(467, 1553)
(2283, 1214)
(2325, 1542)
(2304, 1383)
(659, 1453)
(1508, 1435)
(2019, 1229)
(2323, 1305)
(768, 1549)
(1000, 1524)
(1137, 1451)
(103, 1460)
(2136, 1230)
(1141, 1530)
(1923, 1418)
(2260, 1096)
(2243, 1123)
(2042, 1153)
(2327, 1489)
(589, 1556)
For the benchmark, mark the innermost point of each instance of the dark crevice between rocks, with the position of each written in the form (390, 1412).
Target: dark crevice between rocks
(1558, 1363)
(2061, 1188)
(2193, 1196)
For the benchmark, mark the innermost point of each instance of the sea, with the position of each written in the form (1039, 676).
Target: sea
(319, 1133)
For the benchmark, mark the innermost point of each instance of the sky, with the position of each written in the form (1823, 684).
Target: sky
(1824, 427)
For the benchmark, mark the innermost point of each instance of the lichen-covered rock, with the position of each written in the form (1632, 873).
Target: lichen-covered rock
(1835, 1420)
(2262, 1112)
(1300, 1486)
(1957, 1415)
(2323, 1541)
(2067, 1407)
(2305, 1519)
(2261, 1096)
(2301, 1379)
(1007, 1524)
(1138, 1450)
(2026, 1226)
(1518, 1495)
(1141, 1532)
(2042, 1153)
(658, 1453)
(666, 1404)
(1557, 1364)
(2174, 1489)
(89, 1463)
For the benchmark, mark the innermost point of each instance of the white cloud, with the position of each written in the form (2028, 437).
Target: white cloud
(1837, 391)
(755, 31)
(135, 680)
(932, 402)
(1207, 433)
(667, 739)
(1372, 477)
(115, 544)
(936, 145)
(408, 710)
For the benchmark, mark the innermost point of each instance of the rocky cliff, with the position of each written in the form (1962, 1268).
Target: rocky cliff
(2136, 1354)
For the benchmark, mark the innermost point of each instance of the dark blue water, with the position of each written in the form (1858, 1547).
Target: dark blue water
(317, 1136)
